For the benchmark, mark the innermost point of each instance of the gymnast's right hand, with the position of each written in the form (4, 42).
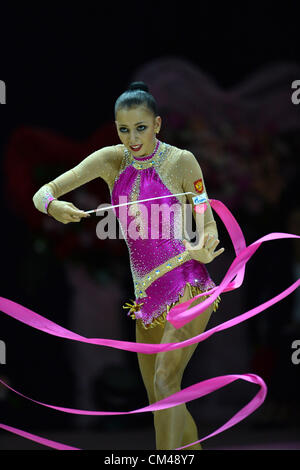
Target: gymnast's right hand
(65, 212)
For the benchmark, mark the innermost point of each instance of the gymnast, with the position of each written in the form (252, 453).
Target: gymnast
(165, 270)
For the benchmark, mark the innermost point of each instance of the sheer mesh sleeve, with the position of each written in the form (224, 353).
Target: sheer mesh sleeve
(103, 163)
(193, 180)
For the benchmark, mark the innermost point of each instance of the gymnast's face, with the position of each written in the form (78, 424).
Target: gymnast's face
(138, 126)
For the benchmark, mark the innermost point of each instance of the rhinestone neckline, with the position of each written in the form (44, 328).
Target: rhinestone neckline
(147, 157)
(142, 165)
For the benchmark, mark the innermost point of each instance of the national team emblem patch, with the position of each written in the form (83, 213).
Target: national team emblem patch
(198, 185)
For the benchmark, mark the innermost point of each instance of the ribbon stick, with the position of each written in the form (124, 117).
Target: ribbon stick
(178, 316)
(135, 202)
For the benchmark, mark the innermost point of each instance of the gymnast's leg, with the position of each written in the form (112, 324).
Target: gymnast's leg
(147, 361)
(175, 426)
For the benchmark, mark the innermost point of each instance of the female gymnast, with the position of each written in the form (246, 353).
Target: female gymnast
(165, 270)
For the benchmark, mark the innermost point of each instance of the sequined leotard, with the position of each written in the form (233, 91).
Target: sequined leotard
(160, 265)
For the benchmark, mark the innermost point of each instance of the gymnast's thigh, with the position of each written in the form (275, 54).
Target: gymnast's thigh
(173, 363)
(147, 361)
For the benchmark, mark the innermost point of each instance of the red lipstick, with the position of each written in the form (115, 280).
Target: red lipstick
(136, 149)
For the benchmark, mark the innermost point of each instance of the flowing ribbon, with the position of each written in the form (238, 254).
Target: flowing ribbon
(178, 316)
(183, 396)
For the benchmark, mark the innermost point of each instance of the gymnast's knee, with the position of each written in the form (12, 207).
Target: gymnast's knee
(164, 384)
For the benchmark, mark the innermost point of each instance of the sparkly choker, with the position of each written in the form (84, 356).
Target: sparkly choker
(148, 161)
(147, 157)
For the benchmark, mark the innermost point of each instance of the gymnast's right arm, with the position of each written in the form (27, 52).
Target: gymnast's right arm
(101, 163)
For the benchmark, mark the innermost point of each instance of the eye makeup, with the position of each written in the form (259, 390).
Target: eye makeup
(140, 130)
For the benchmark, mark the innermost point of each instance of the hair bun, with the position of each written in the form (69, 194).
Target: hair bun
(138, 86)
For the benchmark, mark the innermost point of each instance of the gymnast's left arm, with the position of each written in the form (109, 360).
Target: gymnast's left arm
(193, 181)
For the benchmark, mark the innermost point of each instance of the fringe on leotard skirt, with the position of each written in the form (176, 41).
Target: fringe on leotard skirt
(161, 319)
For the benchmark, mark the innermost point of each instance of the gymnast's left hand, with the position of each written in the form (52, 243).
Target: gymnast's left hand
(204, 252)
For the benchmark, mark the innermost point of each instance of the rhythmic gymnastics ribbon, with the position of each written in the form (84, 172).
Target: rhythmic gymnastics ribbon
(178, 316)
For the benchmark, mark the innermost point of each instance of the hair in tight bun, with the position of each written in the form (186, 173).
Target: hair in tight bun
(138, 86)
(137, 94)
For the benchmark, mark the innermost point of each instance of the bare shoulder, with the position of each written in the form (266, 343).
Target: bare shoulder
(111, 153)
(119, 151)
(111, 156)
(180, 153)
(104, 162)
(182, 159)
(187, 155)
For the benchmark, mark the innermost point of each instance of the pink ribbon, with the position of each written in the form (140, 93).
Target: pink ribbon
(178, 316)
(183, 396)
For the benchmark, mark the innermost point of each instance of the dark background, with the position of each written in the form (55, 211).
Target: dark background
(64, 67)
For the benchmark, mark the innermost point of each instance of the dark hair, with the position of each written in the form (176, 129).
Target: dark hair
(137, 94)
